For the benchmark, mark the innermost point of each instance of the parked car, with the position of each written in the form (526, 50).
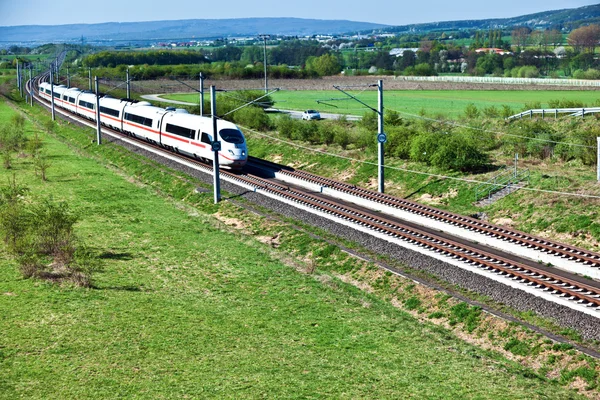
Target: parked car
(311, 114)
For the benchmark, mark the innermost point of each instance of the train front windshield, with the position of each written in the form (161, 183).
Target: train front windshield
(231, 136)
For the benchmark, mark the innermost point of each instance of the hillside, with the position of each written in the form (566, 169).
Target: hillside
(180, 29)
(559, 19)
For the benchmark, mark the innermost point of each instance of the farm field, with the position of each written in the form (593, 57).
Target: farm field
(185, 307)
(443, 103)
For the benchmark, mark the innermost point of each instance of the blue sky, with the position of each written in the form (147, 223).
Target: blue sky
(389, 12)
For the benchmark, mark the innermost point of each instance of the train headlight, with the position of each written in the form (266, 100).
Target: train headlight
(244, 153)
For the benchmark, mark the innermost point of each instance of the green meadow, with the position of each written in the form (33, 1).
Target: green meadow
(185, 307)
(433, 103)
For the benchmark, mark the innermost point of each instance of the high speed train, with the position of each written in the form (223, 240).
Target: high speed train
(174, 129)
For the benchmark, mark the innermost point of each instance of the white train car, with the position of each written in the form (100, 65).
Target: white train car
(143, 120)
(111, 112)
(192, 135)
(70, 97)
(86, 105)
(173, 129)
(45, 91)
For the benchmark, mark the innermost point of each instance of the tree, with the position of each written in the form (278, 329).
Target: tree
(585, 38)
(520, 36)
(325, 65)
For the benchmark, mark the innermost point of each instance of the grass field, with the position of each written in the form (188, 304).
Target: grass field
(446, 103)
(185, 308)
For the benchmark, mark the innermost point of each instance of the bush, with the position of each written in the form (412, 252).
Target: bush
(341, 138)
(286, 125)
(326, 133)
(39, 235)
(491, 112)
(471, 111)
(458, 153)
(253, 118)
(506, 111)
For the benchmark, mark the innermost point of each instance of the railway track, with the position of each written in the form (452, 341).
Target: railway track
(580, 260)
(553, 285)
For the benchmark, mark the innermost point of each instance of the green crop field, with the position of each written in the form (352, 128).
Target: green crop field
(185, 308)
(446, 103)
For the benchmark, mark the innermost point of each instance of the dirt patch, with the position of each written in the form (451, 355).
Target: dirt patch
(233, 222)
(504, 221)
(429, 199)
(328, 82)
(273, 241)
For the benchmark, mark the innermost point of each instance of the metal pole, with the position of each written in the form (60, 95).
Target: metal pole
(52, 94)
(213, 113)
(516, 163)
(30, 86)
(98, 129)
(90, 77)
(598, 160)
(264, 38)
(201, 94)
(68, 78)
(128, 85)
(18, 74)
(380, 135)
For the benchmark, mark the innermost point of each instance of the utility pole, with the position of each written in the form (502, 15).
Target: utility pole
(216, 146)
(201, 94)
(52, 94)
(381, 136)
(98, 125)
(128, 85)
(68, 78)
(598, 159)
(18, 74)
(30, 86)
(264, 38)
(90, 77)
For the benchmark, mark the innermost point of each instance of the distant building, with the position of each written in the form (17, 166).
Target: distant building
(397, 52)
(493, 50)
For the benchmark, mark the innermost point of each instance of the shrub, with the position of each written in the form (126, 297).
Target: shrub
(286, 125)
(253, 118)
(326, 133)
(471, 111)
(506, 111)
(342, 138)
(457, 152)
(491, 112)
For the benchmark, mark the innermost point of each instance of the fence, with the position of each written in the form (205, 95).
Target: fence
(500, 181)
(501, 80)
(549, 112)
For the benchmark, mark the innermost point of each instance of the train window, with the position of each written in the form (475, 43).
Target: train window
(86, 104)
(205, 138)
(109, 111)
(57, 95)
(180, 131)
(139, 119)
(72, 100)
(231, 136)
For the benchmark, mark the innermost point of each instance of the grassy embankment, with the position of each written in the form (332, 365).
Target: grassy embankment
(187, 307)
(567, 218)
